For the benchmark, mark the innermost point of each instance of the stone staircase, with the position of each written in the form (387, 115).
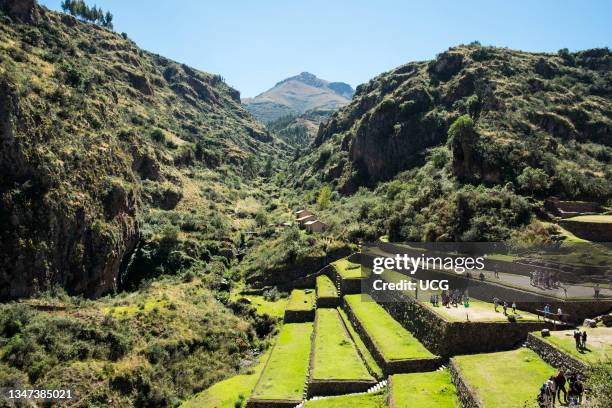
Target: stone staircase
(378, 387)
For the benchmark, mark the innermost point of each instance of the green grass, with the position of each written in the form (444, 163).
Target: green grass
(333, 345)
(347, 269)
(285, 373)
(505, 379)
(365, 353)
(325, 287)
(376, 400)
(393, 341)
(424, 390)
(604, 219)
(599, 344)
(301, 300)
(225, 393)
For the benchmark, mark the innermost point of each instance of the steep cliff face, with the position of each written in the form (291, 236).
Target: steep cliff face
(540, 110)
(94, 131)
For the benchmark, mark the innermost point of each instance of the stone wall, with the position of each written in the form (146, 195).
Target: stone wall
(393, 366)
(466, 394)
(453, 338)
(337, 387)
(299, 316)
(592, 231)
(328, 301)
(556, 357)
(258, 403)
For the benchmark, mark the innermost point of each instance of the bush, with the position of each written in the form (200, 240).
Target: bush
(158, 136)
(533, 180)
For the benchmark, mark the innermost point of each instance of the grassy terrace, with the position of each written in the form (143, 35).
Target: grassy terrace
(604, 219)
(391, 339)
(376, 400)
(301, 300)
(478, 310)
(424, 390)
(335, 355)
(347, 269)
(505, 379)
(599, 344)
(325, 287)
(365, 353)
(284, 375)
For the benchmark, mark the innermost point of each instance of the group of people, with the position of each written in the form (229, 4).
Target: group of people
(548, 313)
(580, 338)
(450, 298)
(497, 302)
(551, 390)
(545, 279)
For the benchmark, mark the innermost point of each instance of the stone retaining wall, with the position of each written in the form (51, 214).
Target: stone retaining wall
(592, 231)
(328, 302)
(556, 357)
(453, 338)
(299, 316)
(337, 387)
(257, 403)
(466, 394)
(392, 366)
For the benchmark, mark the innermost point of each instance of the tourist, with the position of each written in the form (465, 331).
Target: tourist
(577, 338)
(481, 276)
(584, 339)
(565, 291)
(546, 311)
(495, 303)
(505, 308)
(552, 389)
(513, 307)
(575, 390)
(596, 289)
(436, 300)
(560, 384)
(559, 314)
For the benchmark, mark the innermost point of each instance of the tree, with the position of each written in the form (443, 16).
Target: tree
(268, 168)
(533, 180)
(324, 197)
(94, 14)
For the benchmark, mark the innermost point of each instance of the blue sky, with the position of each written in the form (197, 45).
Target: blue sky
(254, 44)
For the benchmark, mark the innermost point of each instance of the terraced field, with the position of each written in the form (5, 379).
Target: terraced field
(326, 288)
(301, 300)
(376, 400)
(504, 379)
(284, 376)
(333, 345)
(391, 339)
(347, 269)
(423, 390)
(369, 360)
(599, 344)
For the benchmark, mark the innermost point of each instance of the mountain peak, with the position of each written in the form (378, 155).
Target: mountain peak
(298, 94)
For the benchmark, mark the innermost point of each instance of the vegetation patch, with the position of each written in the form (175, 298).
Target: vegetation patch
(393, 341)
(333, 345)
(505, 379)
(228, 393)
(424, 390)
(284, 375)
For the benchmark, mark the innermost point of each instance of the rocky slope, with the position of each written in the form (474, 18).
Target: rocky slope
(513, 123)
(296, 95)
(95, 134)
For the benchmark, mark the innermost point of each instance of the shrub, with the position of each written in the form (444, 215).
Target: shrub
(158, 136)
(533, 180)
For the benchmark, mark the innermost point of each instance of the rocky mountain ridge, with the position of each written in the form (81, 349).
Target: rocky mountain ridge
(296, 95)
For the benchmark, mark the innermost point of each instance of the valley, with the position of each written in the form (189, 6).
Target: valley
(152, 254)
